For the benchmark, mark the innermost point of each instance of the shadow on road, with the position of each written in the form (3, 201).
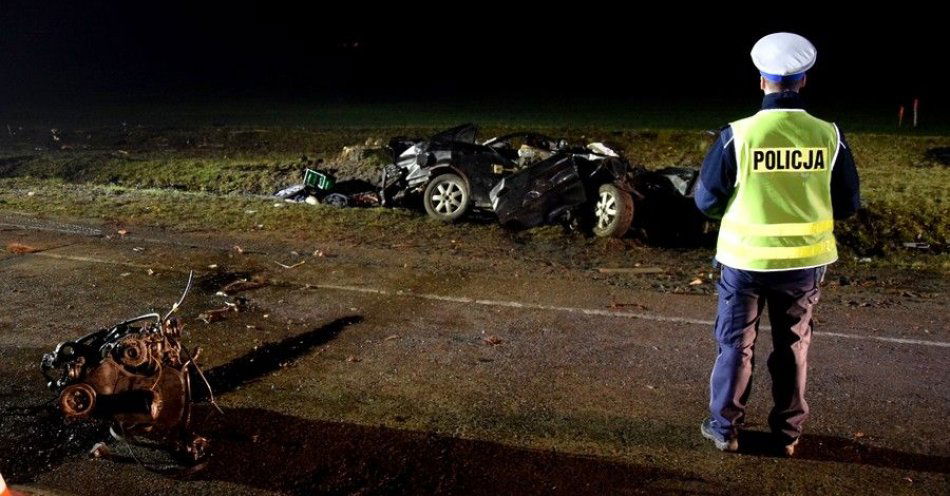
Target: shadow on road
(836, 449)
(268, 358)
(277, 452)
(273, 451)
(37, 440)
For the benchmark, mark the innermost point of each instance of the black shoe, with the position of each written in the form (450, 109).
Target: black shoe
(728, 444)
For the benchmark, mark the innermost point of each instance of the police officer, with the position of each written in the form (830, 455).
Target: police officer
(777, 179)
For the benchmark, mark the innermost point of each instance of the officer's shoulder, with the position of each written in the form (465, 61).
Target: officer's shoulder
(740, 123)
(723, 135)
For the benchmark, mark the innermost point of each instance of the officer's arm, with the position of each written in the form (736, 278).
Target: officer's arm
(845, 187)
(717, 179)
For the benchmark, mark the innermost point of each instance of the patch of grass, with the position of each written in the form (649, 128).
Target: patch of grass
(905, 194)
(187, 211)
(260, 161)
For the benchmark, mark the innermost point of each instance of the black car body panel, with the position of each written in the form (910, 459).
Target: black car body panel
(666, 210)
(544, 193)
(539, 194)
(557, 187)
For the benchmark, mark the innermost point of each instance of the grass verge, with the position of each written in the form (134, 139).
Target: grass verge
(905, 194)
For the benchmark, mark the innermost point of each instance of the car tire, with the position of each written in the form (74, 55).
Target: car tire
(447, 197)
(612, 212)
(336, 200)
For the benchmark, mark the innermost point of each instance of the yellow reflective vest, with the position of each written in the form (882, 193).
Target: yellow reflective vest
(780, 215)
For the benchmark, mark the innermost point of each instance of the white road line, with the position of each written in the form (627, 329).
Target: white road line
(58, 227)
(76, 258)
(603, 313)
(524, 305)
(98, 233)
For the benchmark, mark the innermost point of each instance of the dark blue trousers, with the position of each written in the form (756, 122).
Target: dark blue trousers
(790, 296)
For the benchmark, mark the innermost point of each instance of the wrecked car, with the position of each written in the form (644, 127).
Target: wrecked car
(137, 374)
(526, 179)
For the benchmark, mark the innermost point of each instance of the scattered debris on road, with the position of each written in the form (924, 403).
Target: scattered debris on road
(21, 249)
(631, 270)
(285, 266)
(243, 284)
(240, 304)
(136, 374)
(100, 450)
(218, 314)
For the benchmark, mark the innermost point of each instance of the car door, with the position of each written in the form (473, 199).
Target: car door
(483, 167)
(538, 194)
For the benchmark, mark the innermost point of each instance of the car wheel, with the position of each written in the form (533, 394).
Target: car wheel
(336, 200)
(447, 197)
(613, 211)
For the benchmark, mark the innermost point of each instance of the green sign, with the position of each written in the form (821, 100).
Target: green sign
(318, 180)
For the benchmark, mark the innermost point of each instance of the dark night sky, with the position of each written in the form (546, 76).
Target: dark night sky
(141, 50)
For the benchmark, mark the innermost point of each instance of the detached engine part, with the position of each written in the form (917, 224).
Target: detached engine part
(136, 373)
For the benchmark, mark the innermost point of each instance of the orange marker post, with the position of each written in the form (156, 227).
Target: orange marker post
(4, 490)
(900, 116)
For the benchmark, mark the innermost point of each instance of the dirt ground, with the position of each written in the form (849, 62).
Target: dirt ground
(419, 368)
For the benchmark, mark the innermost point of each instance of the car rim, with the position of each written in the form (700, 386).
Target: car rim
(605, 210)
(447, 198)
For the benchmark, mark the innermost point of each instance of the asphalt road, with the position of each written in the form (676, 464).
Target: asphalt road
(369, 371)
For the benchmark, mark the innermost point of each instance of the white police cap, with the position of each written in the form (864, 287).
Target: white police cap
(783, 56)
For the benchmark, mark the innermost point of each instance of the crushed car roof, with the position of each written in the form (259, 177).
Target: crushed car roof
(464, 134)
